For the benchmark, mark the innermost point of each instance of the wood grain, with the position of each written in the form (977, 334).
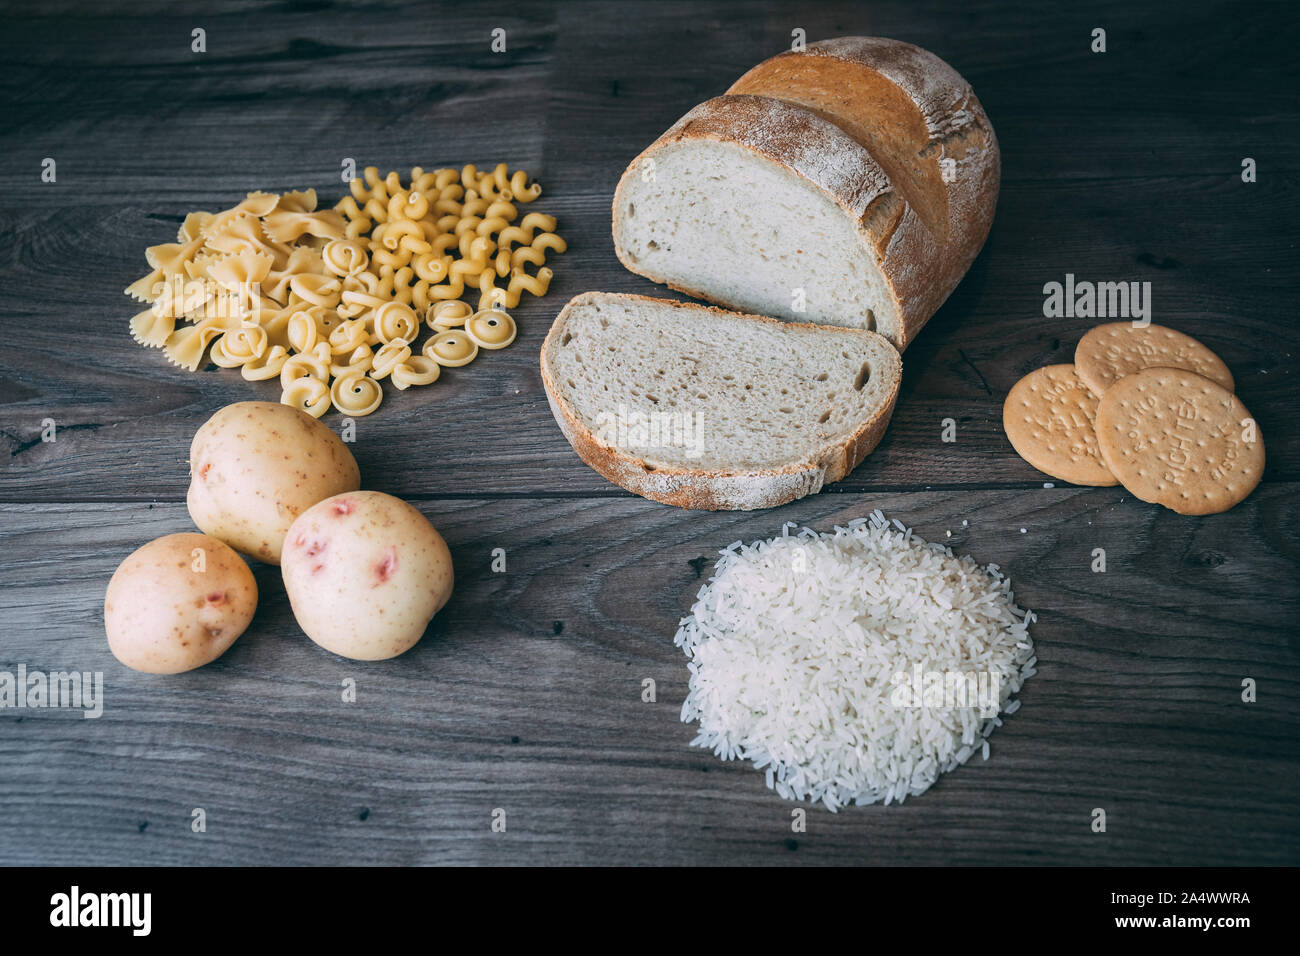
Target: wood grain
(525, 695)
(126, 415)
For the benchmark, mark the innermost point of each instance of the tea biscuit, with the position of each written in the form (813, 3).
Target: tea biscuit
(1180, 440)
(1049, 418)
(1111, 351)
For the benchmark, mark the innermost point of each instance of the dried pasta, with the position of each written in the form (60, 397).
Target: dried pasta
(151, 329)
(448, 314)
(313, 364)
(416, 370)
(454, 229)
(358, 363)
(349, 336)
(307, 394)
(395, 320)
(452, 348)
(389, 357)
(331, 301)
(186, 345)
(345, 257)
(285, 225)
(267, 367)
(356, 394)
(491, 329)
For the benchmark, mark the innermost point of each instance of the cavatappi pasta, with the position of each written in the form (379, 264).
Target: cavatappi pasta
(450, 233)
(331, 301)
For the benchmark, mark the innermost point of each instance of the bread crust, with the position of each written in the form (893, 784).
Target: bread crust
(711, 489)
(913, 141)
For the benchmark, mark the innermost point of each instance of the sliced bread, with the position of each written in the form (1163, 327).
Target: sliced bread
(849, 184)
(701, 408)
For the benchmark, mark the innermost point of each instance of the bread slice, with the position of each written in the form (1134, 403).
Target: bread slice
(701, 408)
(850, 184)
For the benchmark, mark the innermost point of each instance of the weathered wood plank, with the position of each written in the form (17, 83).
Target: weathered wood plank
(123, 104)
(525, 695)
(127, 416)
(1065, 113)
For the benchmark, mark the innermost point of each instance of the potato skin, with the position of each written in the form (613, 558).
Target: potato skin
(164, 617)
(365, 573)
(256, 466)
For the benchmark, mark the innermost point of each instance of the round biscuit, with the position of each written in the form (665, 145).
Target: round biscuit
(1175, 438)
(1049, 418)
(1109, 352)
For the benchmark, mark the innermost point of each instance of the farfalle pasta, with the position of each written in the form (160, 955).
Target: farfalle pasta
(303, 260)
(186, 345)
(151, 329)
(332, 301)
(285, 225)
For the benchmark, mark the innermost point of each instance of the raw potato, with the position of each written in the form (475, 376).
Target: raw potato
(365, 573)
(178, 603)
(256, 466)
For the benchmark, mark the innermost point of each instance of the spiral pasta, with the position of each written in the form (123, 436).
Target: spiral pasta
(316, 289)
(491, 329)
(310, 395)
(453, 229)
(239, 346)
(345, 257)
(267, 367)
(311, 364)
(395, 320)
(452, 349)
(356, 394)
(358, 362)
(389, 357)
(416, 370)
(448, 314)
(303, 331)
(348, 336)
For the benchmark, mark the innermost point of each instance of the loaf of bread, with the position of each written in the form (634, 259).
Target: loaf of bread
(701, 408)
(849, 184)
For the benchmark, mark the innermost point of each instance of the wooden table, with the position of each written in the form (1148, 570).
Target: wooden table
(525, 695)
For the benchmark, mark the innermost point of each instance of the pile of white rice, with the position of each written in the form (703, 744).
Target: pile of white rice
(795, 644)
